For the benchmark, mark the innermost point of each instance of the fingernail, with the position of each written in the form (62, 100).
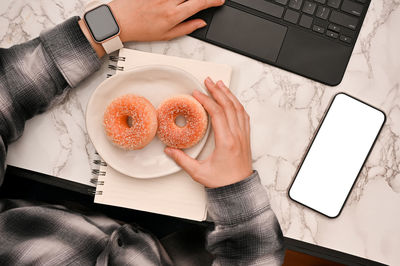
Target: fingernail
(198, 93)
(168, 151)
(201, 24)
(220, 83)
(208, 79)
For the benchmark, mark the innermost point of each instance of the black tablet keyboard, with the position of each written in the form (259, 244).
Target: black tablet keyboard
(336, 19)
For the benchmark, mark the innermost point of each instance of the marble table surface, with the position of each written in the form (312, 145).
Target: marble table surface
(285, 110)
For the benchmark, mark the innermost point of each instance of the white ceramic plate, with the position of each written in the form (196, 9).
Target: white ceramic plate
(155, 83)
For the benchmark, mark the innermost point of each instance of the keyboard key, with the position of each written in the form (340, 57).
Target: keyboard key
(318, 29)
(263, 6)
(309, 7)
(352, 7)
(345, 39)
(321, 1)
(323, 12)
(295, 4)
(343, 20)
(334, 3)
(282, 2)
(291, 16)
(332, 34)
(333, 27)
(320, 22)
(362, 1)
(306, 21)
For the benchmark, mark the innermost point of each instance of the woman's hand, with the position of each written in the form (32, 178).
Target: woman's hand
(156, 20)
(153, 20)
(231, 160)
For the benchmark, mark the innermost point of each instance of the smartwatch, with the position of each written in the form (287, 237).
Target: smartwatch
(103, 27)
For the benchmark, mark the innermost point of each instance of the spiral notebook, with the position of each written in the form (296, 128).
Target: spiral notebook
(176, 194)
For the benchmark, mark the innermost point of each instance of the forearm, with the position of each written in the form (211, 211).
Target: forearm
(33, 73)
(246, 229)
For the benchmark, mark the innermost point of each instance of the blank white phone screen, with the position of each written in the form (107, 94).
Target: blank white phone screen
(336, 155)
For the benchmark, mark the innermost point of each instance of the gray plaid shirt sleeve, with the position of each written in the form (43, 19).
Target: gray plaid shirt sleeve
(246, 230)
(33, 73)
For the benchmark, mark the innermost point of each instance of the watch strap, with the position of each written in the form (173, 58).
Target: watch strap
(92, 5)
(112, 44)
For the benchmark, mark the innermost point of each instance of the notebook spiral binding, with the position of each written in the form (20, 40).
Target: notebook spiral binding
(95, 192)
(119, 68)
(113, 58)
(117, 58)
(96, 172)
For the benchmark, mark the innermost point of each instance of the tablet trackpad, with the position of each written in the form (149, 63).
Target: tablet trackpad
(247, 33)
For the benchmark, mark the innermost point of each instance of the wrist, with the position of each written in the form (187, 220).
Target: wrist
(237, 202)
(117, 10)
(96, 46)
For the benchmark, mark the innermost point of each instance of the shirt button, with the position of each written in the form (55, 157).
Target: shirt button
(119, 241)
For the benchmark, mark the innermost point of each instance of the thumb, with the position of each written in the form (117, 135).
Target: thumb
(185, 28)
(182, 159)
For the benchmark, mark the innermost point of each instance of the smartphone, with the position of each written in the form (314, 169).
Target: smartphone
(336, 155)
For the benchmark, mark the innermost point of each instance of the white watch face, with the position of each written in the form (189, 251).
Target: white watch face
(101, 23)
